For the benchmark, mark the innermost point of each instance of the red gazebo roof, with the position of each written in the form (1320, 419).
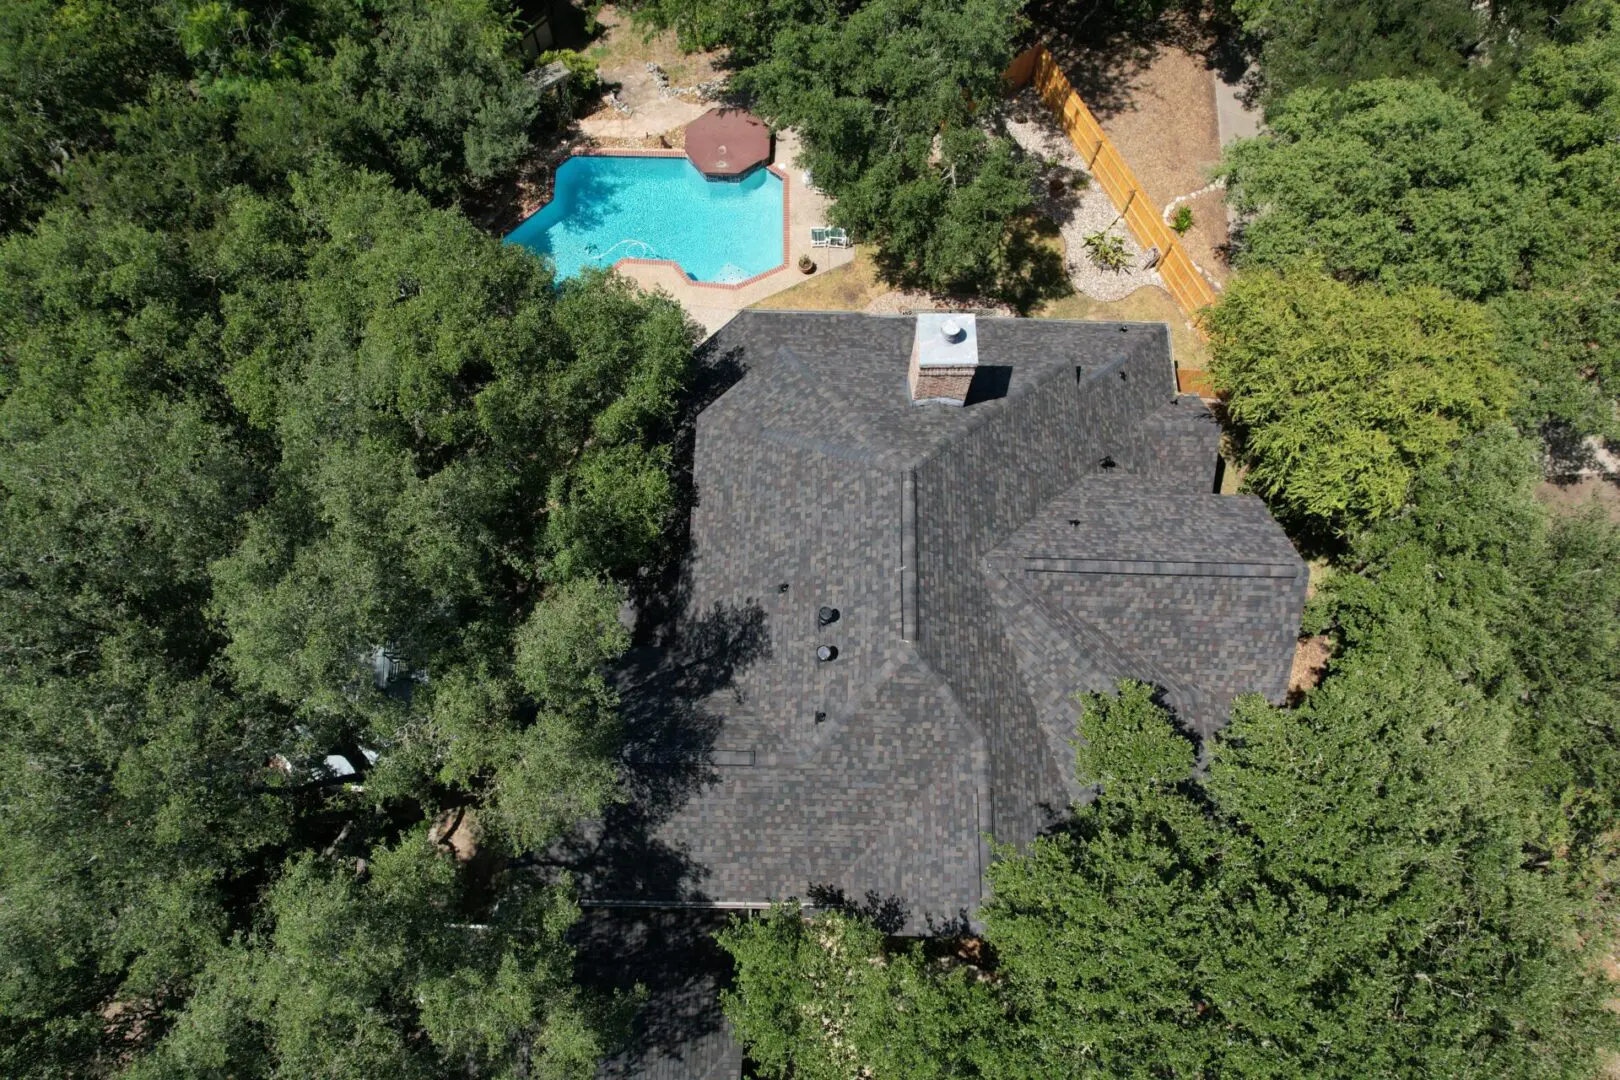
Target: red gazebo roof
(727, 142)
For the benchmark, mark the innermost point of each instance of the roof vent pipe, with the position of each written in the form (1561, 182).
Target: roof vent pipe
(952, 331)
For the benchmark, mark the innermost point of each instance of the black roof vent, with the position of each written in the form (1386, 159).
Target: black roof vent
(782, 587)
(827, 653)
(1107, 462)
(820, 716)
(826, 616)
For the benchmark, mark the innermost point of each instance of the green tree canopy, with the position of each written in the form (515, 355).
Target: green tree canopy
(1475, 575)
(63, 67)
(1339, 393)
(348, 970)
(1333, 43)
(338, 476)
(193, 96)
(826, 999)
(315, 508)
(1345, 893)
(1402, 182)
(1395, 181)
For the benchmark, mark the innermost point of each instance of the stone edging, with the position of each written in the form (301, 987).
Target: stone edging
(787, 219)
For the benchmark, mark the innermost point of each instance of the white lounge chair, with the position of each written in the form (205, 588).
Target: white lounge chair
(829, 237)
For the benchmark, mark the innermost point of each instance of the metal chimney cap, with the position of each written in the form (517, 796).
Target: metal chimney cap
(945, 340)
(827, 652)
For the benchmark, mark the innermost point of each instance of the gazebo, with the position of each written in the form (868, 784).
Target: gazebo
(727, 142)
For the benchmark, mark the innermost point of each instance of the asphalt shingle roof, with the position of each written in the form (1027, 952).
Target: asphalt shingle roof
(1055, 535)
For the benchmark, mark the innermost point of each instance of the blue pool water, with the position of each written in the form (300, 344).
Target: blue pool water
(609, 208)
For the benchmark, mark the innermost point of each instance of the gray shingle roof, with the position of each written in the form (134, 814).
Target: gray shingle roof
(986, 563)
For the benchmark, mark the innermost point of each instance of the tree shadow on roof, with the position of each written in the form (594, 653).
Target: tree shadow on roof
(669, 952)
(673, 959)
(669, 741)
(661, 592)
(888, 913)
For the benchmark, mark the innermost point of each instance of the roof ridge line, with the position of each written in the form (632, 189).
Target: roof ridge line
(832, 725)
(980, 420)
(1145, 567)
(1089, 634)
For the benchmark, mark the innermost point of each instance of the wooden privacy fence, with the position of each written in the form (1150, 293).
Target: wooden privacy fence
(1189, 287)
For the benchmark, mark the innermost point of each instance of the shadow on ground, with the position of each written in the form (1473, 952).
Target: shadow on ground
(1104, 46)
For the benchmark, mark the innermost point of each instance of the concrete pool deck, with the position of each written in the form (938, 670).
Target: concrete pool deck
(712, 306)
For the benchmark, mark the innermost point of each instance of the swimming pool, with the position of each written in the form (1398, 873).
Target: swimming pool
(611, 207)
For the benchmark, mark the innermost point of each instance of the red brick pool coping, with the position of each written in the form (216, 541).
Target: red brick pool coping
(688, 278)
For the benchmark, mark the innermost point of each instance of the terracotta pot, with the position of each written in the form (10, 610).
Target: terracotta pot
(806, 264)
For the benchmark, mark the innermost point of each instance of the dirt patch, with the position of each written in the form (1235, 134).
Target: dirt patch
(637, 110)
(845, 288)
(623, 51)
(1149, 304)
(906, 302)
(1580, 495)
(1311, 658)
(1206, 241)
(859, 287)
(1317, 570)
(1166, 126)
(1162, 117)
(1232, 474)
(456, 830)
(673, 139)
(1077, 204)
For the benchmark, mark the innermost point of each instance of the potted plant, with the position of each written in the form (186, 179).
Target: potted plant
(807, 264)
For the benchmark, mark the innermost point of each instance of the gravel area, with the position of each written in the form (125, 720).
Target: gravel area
(903, 302)
(1078, 213)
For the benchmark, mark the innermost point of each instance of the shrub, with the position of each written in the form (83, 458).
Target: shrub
(1107, 250)
(1182, 220)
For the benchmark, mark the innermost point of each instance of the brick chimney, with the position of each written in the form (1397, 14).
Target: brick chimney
(944, 355)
